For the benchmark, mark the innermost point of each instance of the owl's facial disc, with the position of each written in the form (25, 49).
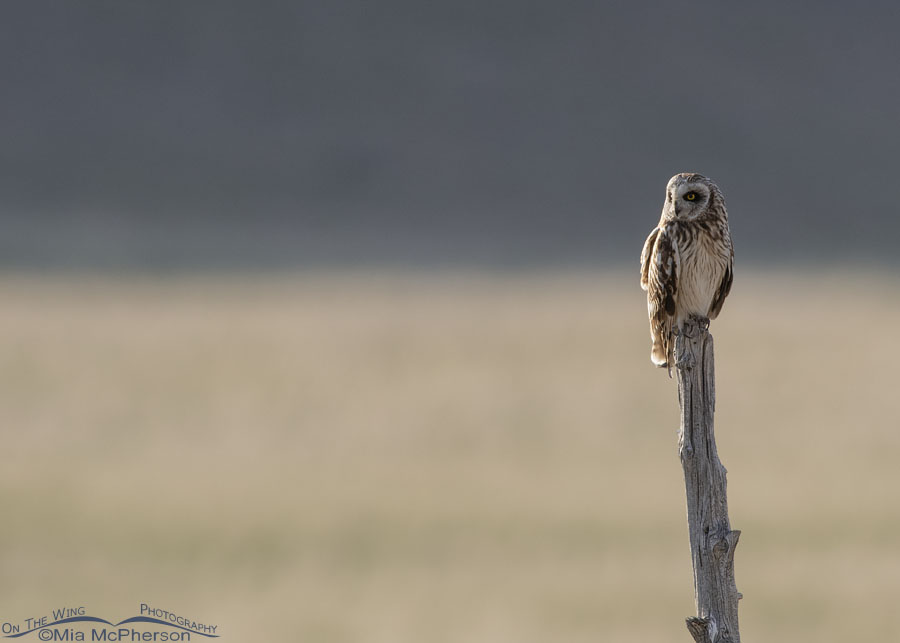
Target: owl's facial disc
(689, 200)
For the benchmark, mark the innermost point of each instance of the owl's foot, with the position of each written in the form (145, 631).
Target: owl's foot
(692, 326)
(687, 329)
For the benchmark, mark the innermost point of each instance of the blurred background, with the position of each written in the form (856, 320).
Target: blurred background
(321, 320)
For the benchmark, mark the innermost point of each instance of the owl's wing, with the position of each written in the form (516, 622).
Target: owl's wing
(664, 267)
(646, 254)
(724, 288)
(662, 277)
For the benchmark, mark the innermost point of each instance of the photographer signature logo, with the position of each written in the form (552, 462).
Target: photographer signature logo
(69, 623)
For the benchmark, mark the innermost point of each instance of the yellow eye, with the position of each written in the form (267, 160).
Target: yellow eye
(690, 196)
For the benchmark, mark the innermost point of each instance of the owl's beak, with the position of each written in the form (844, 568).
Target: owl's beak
(678, 209)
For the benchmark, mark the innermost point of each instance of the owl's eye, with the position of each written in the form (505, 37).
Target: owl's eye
(690, 196)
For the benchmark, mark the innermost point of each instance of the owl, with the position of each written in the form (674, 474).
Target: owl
(686, 263)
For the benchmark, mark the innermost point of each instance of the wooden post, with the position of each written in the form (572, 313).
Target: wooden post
(712, 539)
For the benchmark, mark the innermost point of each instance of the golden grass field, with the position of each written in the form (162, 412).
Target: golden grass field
(459, 457)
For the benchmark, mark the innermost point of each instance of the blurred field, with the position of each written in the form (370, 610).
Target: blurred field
(441, 458)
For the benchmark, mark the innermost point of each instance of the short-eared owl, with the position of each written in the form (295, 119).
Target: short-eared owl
(687, 260)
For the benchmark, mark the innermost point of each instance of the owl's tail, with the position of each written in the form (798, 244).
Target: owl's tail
(659, 354)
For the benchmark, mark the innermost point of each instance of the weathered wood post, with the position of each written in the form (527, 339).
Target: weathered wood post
(712, 539)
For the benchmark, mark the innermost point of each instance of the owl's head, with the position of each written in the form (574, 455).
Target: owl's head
(690, 196)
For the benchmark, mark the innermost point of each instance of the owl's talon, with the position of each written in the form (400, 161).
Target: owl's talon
(687, 329)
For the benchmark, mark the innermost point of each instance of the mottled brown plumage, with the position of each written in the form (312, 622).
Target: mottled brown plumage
(686, 263)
